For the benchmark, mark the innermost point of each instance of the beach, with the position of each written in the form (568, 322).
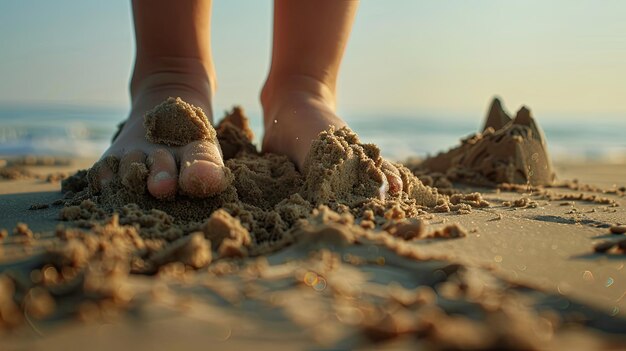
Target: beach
(505, 266)
(312, 175)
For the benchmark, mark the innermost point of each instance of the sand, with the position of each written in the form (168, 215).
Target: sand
(317, 259)
(267, 197)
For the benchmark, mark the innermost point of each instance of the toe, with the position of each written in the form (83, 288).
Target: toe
(393, 177)
(102, 172)
(202, 170)
(135, 156)
(133, 171)
(105, 175)
(162, 178)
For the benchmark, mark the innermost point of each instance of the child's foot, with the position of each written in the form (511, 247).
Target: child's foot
(196, 168)
(295, 117)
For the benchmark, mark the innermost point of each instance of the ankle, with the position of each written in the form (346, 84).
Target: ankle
(278, 91)
(156, 80)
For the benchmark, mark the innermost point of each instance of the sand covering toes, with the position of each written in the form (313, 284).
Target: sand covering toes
(267, 197)
(339, 168)
(235, 135)
(177, 123)
(507, 151)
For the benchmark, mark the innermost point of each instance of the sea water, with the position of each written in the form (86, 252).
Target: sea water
(86, 132)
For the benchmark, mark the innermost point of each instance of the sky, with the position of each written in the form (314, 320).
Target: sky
(563, 58)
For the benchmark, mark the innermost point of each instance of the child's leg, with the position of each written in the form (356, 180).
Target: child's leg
(173, 59)
(299, 95)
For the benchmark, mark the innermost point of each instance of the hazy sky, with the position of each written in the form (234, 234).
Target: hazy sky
(561, 57)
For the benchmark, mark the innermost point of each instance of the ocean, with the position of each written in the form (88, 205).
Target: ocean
(86, 132)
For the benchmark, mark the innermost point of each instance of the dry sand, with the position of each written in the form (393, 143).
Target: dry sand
(319, 259)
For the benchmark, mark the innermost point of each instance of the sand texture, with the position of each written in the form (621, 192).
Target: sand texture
(267, 197)
(324, 258)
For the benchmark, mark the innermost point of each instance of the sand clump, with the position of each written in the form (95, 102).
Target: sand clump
(21, 168)
(234, 134)
(522, 202)
(21, 229)
(611, 247)
(407, 229)
(618, 229)
(38, 206)
(15, 173)
(193, 250)
(411, 229)
(452, 231)
(176, 123)
(461, 203)
(508, 150)
(87, 267)
(230, 238)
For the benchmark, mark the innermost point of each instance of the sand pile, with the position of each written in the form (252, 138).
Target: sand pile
(267, 198)
(508, 150)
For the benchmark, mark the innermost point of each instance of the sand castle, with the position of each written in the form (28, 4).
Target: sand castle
(508, 150)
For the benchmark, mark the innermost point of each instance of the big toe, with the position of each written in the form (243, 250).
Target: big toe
(202, 170)
(393, 177)
(162, 178)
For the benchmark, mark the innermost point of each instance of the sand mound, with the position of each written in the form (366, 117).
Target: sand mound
(234, 134)
(341, 169)
(507, 151)
(268, 198)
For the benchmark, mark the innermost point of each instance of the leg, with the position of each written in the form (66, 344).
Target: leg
(299, 96)
(173, 59)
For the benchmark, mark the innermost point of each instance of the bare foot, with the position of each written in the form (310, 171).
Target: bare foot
(294, 117)
(196, 168)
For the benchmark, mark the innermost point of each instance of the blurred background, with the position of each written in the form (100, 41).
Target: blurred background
(417, 74)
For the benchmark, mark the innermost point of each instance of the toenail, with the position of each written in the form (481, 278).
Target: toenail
(163, 175)
(384, 188)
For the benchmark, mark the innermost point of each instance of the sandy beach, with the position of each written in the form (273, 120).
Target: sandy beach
(312, 175)
(516, 267)
(546, 249)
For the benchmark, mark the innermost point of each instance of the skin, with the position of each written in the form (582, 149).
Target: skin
(298, 97)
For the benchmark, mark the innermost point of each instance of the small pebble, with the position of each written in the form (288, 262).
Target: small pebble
(603, 246)
(38, 207)
(618, 229)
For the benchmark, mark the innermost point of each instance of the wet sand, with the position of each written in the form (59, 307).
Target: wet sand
(522, 276)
